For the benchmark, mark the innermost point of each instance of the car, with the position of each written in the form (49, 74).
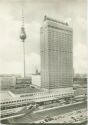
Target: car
(48, 118)
(42, 122)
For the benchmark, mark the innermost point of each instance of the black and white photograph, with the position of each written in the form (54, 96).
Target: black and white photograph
(43, 62)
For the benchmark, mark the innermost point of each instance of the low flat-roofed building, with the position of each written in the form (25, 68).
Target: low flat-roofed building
(7, 82)
(29, 89)
(22, 82)
(35, 95)
(80, 80)
(80, 91)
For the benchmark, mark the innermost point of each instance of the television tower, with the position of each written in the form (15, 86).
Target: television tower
(23, 37)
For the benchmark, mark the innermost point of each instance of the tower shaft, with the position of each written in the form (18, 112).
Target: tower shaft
(23, 37)
(24, 57)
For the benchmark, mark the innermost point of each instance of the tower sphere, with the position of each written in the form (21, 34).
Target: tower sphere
(23, 34)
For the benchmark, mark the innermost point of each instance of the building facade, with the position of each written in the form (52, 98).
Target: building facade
(8, 82)
(56, 54)
(80, 80)
(23, 82)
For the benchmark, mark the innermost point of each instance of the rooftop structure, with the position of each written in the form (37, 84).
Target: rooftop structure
(54, 20)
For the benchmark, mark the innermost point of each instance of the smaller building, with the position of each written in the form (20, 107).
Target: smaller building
(22, 82)
(7, 82)
(36, 79)
(80, 80)
(80, 91)
(80, 84)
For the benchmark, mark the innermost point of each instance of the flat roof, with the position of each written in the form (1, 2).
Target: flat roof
(26, 90)
(6, 95)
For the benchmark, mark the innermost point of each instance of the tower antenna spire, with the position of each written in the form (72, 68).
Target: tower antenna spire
(22, 17)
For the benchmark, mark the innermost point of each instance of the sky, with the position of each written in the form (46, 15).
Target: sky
(11, 47)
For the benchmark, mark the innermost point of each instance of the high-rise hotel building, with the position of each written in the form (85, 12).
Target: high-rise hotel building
(56, 46)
